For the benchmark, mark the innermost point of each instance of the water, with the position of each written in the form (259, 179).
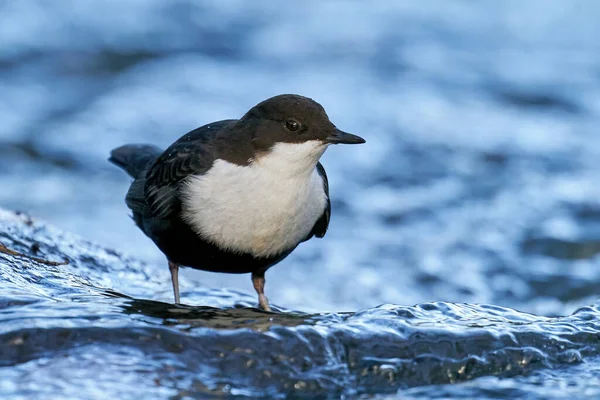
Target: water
(69, 328)
(476, 195)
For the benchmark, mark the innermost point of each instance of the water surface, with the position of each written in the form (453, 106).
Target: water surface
(476, 195)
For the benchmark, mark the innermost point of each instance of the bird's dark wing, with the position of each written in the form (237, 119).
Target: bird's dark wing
(322, 223)
(192, 154)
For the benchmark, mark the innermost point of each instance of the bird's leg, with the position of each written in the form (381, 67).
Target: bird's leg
(258, 280)
(174, 268)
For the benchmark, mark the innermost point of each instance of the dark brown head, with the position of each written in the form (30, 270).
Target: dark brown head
(290, 118)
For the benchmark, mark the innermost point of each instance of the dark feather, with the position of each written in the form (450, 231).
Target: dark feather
(192, 154)
(135, 158)
(322, 223)
(135, 197)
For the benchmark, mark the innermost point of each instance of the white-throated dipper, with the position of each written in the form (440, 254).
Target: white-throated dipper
(238, 195)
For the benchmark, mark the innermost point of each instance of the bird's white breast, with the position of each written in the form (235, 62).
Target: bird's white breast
(264, 208)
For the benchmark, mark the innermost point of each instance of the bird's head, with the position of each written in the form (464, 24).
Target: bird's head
(292, 132)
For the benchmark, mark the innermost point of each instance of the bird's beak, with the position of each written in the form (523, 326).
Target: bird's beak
(338, 137)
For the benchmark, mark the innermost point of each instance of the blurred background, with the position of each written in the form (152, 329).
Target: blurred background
(479, 181)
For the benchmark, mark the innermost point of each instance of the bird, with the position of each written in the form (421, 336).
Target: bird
(235, 196)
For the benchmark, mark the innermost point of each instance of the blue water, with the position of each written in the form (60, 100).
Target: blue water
(477, 190)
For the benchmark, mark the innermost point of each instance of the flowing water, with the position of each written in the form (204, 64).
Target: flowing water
(462, 256)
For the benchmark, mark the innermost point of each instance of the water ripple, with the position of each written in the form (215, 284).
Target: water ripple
(64, 317)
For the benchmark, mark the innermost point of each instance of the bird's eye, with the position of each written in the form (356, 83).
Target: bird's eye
(292, 125)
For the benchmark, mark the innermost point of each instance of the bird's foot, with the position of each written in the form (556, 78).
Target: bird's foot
(264, 302)
(174, 269)
(258, 280)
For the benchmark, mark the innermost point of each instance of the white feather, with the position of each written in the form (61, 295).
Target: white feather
(264, 208)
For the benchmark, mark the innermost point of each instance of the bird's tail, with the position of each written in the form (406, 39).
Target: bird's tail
(134, 158)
